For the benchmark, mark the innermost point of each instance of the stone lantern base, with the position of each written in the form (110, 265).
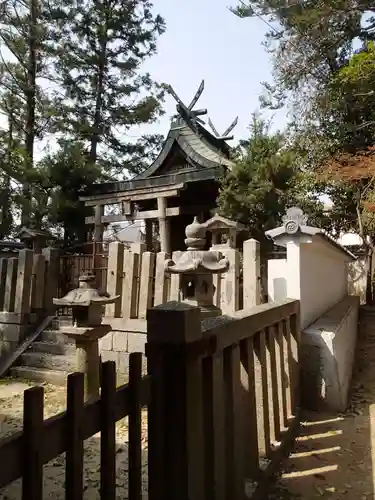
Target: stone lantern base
(87, 354)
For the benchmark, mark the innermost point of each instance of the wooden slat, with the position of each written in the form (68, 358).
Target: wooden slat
(10, 285)
(108, 432)
(233, 434)
(32, 478)
(3, 274)
(208, 427)
(250, 409)
(283, 367)
(214, 427)
(250, 322)
(74, 437)
(135, 427)
(264, 435)
(157, 472)
(287, 369)
(133, 195)
(55, 429)
(293, 328)
(274, 384)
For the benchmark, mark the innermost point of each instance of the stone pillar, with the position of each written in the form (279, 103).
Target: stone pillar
(51, 283)
(165, 237)
(251, 273)
(229, 300)
(88, 362)
(98, 229)
(148, 227)
(115, 277)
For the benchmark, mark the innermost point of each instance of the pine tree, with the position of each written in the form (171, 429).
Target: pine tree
(99, 48)
(268, 177)
(22, 71)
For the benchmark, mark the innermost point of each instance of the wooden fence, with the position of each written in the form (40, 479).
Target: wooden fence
(92, 257)
(222, 400)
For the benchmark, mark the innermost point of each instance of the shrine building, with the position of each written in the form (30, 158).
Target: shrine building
(181, 183)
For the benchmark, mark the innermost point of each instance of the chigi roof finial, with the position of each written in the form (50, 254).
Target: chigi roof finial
(187, 112)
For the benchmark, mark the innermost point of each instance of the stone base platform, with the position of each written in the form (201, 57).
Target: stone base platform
(127, 336)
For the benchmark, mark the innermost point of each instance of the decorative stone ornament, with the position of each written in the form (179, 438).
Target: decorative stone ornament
(197, 267)
(293, 220)
(87, 309)
(86, 302)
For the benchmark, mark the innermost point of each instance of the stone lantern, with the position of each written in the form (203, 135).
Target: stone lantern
(197, 267)
(87, 308)
(35, 239)
(224, 232)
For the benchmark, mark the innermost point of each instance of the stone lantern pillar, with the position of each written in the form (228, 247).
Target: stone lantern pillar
(87, 307)
(197, 267)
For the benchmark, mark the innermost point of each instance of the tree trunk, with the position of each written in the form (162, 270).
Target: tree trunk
(6, 213)
(97, 125)
(30, 111)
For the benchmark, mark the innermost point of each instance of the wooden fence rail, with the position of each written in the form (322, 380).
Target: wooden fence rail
(234, 387)
(23, 454)
(223, 403)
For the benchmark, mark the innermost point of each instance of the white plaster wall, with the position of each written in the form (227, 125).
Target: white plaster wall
(323, 279)
(277, 281)
(327, 357)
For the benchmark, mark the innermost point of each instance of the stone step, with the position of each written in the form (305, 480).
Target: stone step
(64, 320)
(55, 336)
(51, 361)
(52, 347)
(55, 377)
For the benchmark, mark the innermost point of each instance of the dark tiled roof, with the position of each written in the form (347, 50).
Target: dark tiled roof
(209, 154)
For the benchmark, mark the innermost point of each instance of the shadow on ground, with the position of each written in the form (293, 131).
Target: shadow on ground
(333, 455)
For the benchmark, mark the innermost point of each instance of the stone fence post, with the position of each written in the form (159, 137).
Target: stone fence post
(175, 412)
(51, 283)
(251, 273)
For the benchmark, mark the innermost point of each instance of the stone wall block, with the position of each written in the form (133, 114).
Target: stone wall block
(136, 342)
(120, 341)
(105, 343)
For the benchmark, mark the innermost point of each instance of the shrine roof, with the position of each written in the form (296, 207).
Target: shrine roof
(207, 155)
(199, 146)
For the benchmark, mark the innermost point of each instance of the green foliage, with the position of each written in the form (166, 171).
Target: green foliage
(73, 84)
(266, 180)
(323, 59)
(99, 48)
(64, 174)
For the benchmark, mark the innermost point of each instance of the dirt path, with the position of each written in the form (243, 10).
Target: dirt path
(334, 457)
(11, 411)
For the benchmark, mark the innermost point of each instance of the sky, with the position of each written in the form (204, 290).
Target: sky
(204, 40)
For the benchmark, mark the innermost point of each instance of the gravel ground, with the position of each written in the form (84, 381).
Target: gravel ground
(334, 456)
(11, 410)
